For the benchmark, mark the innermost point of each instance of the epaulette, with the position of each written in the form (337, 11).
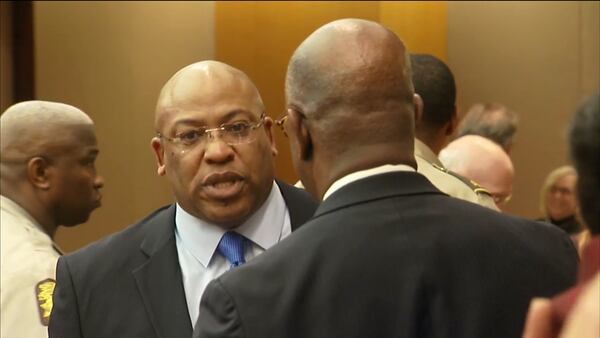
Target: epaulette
(470, 183)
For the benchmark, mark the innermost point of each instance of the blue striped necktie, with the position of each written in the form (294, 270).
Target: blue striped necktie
(231, 247)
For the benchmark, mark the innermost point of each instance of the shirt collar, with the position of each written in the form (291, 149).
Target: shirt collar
(424, 152)
(358, 175)
(263, 228)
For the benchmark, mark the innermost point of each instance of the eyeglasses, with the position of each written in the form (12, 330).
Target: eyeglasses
(235, 133)
(501, 199)
(560, 190)
(280, 122)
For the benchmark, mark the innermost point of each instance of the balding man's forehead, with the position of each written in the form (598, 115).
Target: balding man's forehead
(208, 87)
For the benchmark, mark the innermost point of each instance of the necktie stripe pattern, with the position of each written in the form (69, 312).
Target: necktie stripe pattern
(231, 247)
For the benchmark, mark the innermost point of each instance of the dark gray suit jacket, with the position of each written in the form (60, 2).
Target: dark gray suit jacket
(392, 256)
(129, 285)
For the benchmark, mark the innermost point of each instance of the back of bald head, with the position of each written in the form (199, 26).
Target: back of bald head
(199, 79)
(353, 76)
(474, 156)
(38, 128)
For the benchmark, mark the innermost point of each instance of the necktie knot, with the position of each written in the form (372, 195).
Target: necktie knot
(231, 247)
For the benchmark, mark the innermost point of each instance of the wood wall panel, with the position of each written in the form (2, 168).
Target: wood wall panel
(259, 37)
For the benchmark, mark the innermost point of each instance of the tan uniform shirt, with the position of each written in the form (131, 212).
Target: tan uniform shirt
(450, 183)
(28, 263)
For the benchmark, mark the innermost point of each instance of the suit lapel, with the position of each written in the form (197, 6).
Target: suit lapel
(159, 279)
(300, 204)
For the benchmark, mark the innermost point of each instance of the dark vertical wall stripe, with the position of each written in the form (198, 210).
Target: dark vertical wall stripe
(23, 57)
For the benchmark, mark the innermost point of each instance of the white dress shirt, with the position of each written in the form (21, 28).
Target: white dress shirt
(197, 242)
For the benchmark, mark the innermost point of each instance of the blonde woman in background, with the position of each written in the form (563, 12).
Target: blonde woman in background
(558, 201)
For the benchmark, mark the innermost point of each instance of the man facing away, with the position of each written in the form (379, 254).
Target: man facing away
(214, 145)
(434, 83)
(48, 178)
(386, 254)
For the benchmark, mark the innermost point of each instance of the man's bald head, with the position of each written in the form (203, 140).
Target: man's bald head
(351, 81)
(203, 81)
(225, 175)
(47, 162)
(37, 128)
(350, 65)
(482, 161)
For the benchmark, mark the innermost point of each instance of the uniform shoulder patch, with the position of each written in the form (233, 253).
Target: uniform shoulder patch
(44, 291)
(470, 183)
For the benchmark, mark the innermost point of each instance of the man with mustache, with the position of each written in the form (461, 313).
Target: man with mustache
(215, 146)
(48, 178)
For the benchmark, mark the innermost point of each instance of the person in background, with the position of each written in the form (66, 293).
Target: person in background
(215, 146)
(437, 118)
(48, 178)
(576, 312)
(434, 83)
(558, 202)
(386, 254)
(484, 162)
(493, 121)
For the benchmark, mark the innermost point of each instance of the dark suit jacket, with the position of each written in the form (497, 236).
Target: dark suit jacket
(129, 285)
(392, 256)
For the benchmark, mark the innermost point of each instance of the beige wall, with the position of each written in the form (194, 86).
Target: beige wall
(260, 36)
(538, 58)
(111, 59)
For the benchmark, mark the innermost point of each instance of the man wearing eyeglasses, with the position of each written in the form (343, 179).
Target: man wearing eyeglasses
(484, 161)
(214, 145)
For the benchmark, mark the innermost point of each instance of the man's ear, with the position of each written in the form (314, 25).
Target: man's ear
(268, 124)
(418, 106)
(159, 153)
(39, 172)
(453, 123)
(304, 142)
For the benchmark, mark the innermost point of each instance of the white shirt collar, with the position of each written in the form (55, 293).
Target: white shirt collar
(358, 175)
(263, 228)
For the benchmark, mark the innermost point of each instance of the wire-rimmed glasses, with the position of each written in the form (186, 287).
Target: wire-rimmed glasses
(240, 132)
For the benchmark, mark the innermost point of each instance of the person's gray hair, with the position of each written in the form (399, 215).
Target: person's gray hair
(493, 121)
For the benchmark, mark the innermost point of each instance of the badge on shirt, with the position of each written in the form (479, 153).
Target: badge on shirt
(44, 291)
